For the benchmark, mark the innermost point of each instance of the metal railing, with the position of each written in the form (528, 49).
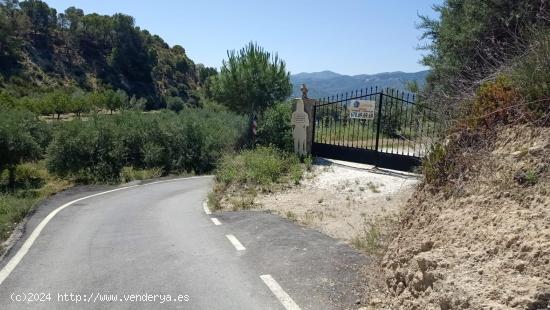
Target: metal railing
(400, 125)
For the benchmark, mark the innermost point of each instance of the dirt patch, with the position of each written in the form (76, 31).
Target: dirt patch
(482, 242)
(343, 202)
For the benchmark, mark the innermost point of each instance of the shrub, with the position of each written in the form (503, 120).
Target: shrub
(261, 166)
(496, 102)
(96, 150)
(21, 139)
(28, 176)
(130, 174)
(274, 127)
(532, 76)
(6, 100)
(87, 150)
(209, 135)
(175, 104)
(436, 166)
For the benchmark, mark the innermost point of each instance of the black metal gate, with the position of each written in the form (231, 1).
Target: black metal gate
(397, 137)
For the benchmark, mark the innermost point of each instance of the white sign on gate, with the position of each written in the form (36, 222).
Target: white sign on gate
(362, 109)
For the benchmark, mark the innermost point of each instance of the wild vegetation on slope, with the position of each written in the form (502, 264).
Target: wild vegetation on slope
(43, 50)
(475, 234)
(480, 238)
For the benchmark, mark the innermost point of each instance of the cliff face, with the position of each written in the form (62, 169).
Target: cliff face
(483, 240)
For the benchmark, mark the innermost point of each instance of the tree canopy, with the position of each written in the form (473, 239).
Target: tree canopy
(472, 38)
(251, 80)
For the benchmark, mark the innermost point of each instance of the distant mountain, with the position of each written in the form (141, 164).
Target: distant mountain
(328, 83)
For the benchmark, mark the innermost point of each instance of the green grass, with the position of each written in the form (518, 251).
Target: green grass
(531, 177)
(130, 174)
(33, 183)
(262, 166)
(13, 209)
(370, 240)
(239, 176)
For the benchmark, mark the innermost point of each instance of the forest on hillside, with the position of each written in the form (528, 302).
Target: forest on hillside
(42, 50)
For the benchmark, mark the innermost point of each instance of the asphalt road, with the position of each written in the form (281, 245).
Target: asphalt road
(153, 247)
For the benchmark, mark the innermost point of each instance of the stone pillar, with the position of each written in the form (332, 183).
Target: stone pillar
(297, 121)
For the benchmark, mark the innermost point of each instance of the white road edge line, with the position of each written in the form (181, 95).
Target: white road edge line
(216, 221)
(14, 261)
(235, 242)
(206, 209)
(278, 291)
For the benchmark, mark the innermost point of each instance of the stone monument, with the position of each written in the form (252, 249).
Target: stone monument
(302, 121)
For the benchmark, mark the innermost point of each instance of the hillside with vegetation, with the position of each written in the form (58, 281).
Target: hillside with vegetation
(42, 50)
(475, 234)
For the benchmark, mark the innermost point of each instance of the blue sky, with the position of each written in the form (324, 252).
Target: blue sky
(346, 36)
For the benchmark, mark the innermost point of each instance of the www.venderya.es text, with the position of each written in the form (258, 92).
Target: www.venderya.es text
(97, 297)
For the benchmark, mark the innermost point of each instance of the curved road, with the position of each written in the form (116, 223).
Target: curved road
(152, 246)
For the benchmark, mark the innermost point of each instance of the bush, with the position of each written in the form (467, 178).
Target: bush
(96, 150)
(87, 150)
(532, 76)
(436, 167)
(495, 102)
(274, 127)
(473, 37)
(261, 166)
(130, 174)
(175, 104)
(29, 176)
(6, 100)
(22, 138)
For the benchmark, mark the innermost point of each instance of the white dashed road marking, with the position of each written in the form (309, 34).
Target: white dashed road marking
(216, 221)
(235, 243)
(278, 291)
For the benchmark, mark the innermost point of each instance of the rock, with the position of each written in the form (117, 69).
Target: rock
(374, 302)
(520, 267)
(426, 246)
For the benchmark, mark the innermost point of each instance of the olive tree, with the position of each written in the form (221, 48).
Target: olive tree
(18, 141)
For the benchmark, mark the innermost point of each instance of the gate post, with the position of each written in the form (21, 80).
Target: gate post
(308, 108)
(380, 102)
(309, 105)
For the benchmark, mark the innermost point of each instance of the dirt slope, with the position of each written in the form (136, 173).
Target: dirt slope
(482, 242)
